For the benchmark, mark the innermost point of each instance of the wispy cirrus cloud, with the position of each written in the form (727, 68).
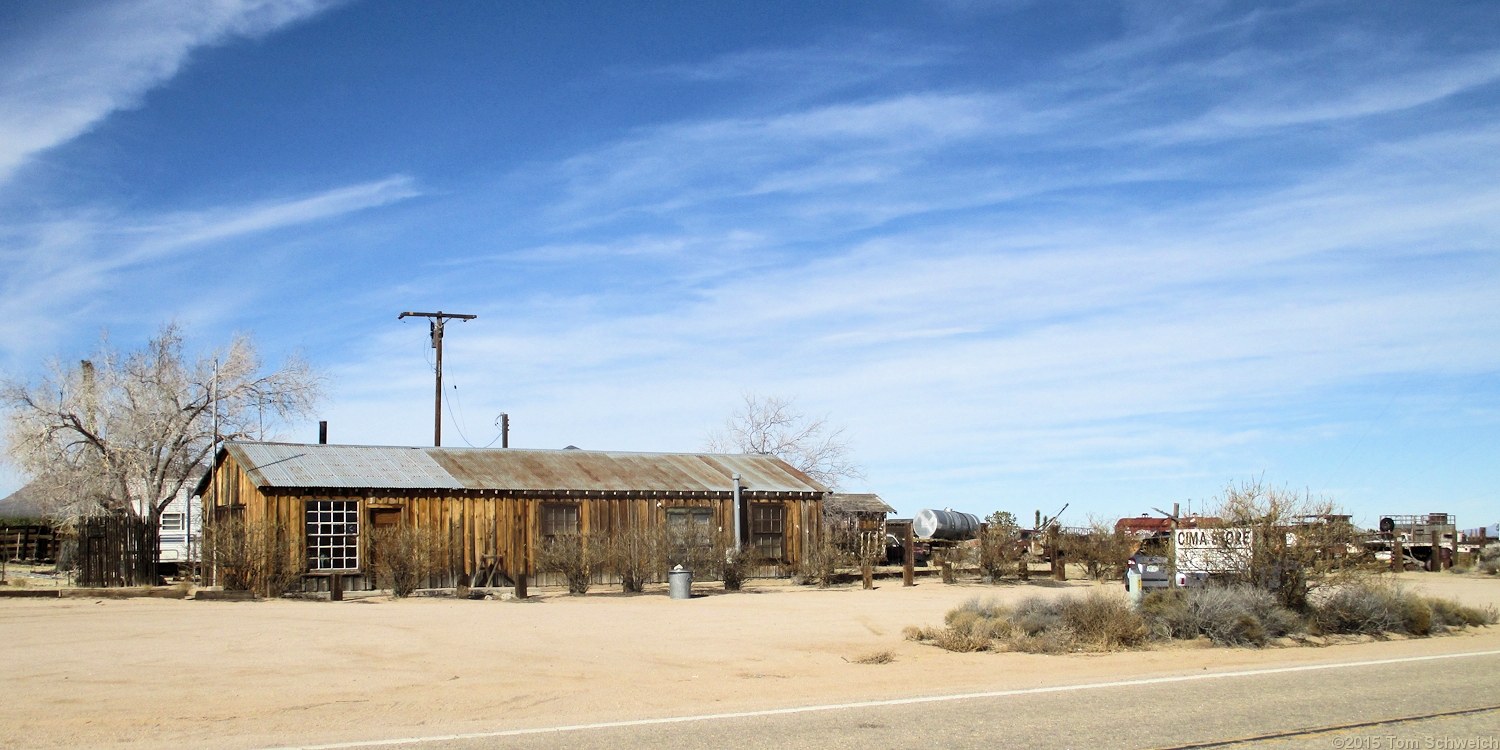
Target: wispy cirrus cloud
(104, 58)
(55, 266)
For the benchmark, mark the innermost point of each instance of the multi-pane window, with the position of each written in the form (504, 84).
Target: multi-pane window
(171, 522)
(559, 518)
(332, 535)
(768, 531)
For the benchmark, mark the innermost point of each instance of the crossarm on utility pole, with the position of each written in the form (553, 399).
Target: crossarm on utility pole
(436, 325)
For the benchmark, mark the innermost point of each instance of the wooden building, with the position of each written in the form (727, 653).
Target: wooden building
(857, 522)
(27, 534)
(495, 506)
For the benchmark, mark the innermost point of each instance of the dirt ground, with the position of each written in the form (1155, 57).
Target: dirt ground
(157, 672)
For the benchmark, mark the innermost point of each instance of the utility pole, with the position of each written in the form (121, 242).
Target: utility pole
(436, 325)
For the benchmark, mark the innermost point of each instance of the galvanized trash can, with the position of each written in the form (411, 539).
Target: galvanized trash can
(680, 583)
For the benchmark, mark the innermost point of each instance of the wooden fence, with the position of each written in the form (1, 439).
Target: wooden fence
(28, 543)
(117, 550)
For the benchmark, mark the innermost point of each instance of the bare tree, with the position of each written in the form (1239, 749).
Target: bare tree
(1300, 543)
(128, 431)
(772, 426)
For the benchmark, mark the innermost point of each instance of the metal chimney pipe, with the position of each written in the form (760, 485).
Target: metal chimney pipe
(322, 432)
(738, 511)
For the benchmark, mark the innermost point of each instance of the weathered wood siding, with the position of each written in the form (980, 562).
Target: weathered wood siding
(484, 528)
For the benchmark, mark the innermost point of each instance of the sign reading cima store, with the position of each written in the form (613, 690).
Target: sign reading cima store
(1213, 550)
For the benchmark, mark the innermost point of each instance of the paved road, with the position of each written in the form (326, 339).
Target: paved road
(1372, 703)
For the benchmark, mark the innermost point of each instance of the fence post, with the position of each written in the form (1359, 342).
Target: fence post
(908, 575)
(1059, 566)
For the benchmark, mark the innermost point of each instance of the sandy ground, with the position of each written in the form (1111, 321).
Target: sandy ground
(153, 672)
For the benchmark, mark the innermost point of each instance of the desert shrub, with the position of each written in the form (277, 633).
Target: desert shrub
(1102, 551)
(1095, 622)
(1049, 642)
(1102, 622)
(1227, 615)
(876, 657)
(949, 639)
(1489, 560)
(979, 618)
(1447, 613)
(569, 555)
(695, 548)
(920, 635)
(1301, 544)
(999, 546)
(405, 555)
(821, 561)
(989, 608)
(253, 556)
(637, 555)
(1365, 607)
(949, 560)
(1035, 615)
(1375, 607)
(735, 567)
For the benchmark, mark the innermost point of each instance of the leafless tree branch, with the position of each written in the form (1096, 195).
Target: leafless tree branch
(128, 431)
(772, 426)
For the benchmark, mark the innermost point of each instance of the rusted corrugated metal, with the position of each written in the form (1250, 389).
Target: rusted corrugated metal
(609, 471)
(289, 466)
(855, 502)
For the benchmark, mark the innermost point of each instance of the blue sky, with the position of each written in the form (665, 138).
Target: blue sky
(1114, 255)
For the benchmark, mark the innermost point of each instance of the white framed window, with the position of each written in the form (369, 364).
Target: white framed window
(332, 535)
(171, 522)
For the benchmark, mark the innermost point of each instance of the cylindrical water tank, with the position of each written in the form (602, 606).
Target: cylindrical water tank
(951, 525)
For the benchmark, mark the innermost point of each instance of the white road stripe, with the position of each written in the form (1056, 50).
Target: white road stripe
(880, 703)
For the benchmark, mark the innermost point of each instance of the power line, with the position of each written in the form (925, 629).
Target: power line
(435, 326)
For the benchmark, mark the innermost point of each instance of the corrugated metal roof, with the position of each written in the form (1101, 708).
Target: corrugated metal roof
(352, 466)
(856, 502)
(362, 466)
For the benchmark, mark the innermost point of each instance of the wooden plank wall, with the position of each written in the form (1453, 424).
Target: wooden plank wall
(481, 527)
